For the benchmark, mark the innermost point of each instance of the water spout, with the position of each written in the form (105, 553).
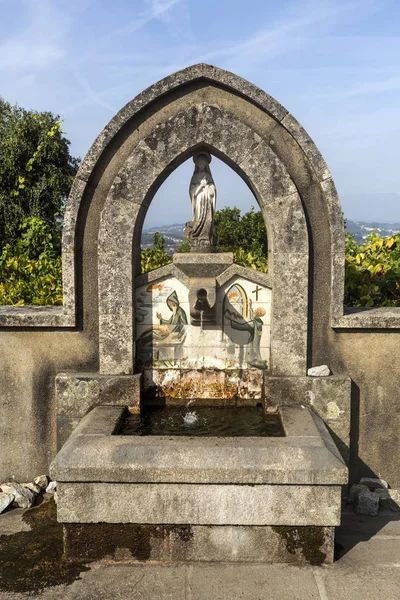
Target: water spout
(202, 302)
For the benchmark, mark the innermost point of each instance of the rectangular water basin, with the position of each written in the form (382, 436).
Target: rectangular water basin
(205, 497)
(203, 421)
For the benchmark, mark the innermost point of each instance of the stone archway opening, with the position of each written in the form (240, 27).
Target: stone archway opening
(171, 203)
(122, 219)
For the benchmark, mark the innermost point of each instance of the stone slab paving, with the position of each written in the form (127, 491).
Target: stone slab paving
(226, 582)
(368, 568)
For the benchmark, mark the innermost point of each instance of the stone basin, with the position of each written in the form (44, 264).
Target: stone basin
(273, 487)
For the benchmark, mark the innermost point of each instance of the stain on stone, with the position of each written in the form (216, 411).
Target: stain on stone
(184, 532)
(97, 541)
(307, 540)
(33, 560)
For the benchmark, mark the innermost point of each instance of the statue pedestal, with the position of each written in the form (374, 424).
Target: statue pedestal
(195, 265)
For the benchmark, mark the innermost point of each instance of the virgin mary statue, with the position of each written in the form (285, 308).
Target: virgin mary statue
(200, 230)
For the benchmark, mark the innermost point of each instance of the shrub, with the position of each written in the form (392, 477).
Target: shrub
(372, 276)
(30, 270)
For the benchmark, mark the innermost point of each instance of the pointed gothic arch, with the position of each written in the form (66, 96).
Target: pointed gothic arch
(262, 142)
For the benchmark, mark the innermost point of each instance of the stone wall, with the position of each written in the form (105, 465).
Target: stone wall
(31, 360)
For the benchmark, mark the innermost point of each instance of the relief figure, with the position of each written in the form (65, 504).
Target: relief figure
(254, 327)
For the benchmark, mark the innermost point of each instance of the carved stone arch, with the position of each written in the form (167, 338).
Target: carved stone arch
(218, 97)
(151, 161)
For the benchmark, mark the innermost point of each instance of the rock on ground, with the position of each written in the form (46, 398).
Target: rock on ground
(51, 487)
(387, 499)
(32, 486)
(5, 500)
(368, 503)
(374, 483)
(42, 481)
(23, 497)
(355, 490)
(321, 371)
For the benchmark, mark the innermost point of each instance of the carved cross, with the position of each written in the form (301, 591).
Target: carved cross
(258, 289)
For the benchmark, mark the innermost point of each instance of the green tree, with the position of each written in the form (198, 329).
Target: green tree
(36, 170)
(244, 235)
(246, 231)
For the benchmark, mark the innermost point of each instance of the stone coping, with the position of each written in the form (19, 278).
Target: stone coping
(56, 316)
(36, 316)
(94, 453)
(173, 270)
(368, 318)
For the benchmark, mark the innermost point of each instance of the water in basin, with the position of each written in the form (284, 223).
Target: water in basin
(203, 421)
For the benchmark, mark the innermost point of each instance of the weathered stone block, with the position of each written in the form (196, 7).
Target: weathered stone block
(329, 397)
(368, 503)
(355, 490)
(115, 345)
(77, 393)
(203, 265)
(199, 504)
(268, 174)
(197, 543)
(309, 148)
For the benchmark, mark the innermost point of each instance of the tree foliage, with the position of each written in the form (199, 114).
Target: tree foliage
(156, 256)
(30, 269)
(244, 235)
(36, 170)
(373, 271)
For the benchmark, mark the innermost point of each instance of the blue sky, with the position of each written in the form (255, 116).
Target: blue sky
(334, 64)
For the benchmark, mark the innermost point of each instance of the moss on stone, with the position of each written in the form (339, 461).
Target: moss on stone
(307, 540)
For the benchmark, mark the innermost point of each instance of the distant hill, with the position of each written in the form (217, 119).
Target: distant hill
(173, 234)
(360, 229)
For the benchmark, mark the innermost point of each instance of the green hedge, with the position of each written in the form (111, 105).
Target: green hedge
(30, 270)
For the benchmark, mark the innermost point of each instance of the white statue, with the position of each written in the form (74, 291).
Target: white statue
(200, 230)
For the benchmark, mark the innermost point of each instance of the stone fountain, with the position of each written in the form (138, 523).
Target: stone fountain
(203, 336)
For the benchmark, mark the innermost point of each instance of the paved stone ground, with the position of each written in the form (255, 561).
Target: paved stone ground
(367, 568)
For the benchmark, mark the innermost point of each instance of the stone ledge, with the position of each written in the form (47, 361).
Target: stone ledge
(368, 318)
(36, 316)
(78, 393)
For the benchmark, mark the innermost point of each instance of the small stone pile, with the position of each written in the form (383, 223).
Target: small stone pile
(23, 495)
(370, 494)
